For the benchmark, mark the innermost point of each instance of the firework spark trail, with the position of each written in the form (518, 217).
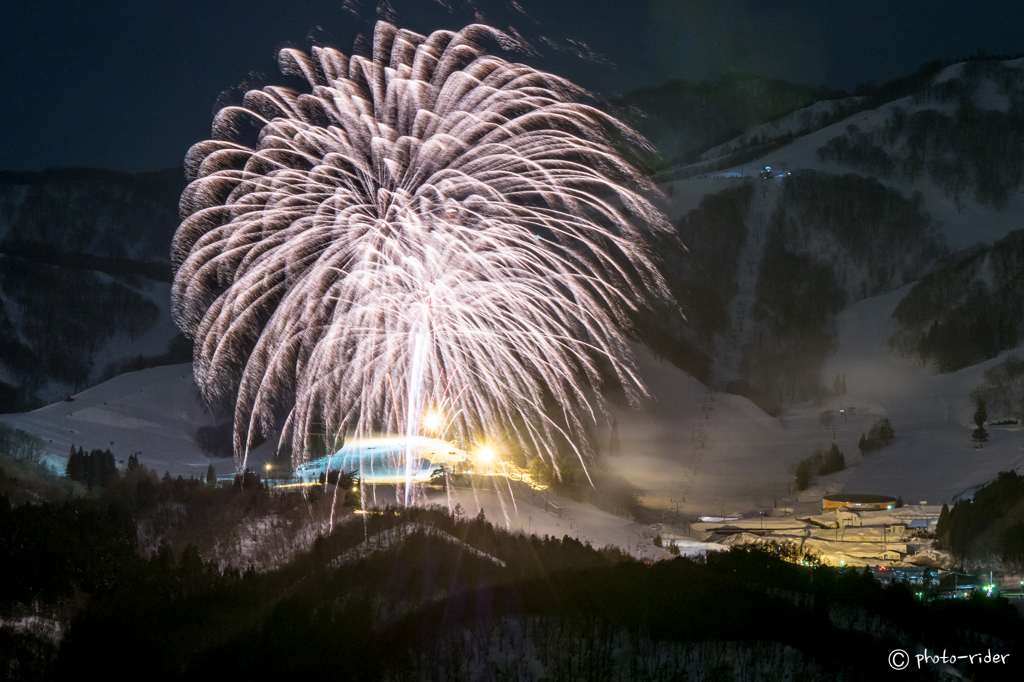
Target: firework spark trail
(427, 212)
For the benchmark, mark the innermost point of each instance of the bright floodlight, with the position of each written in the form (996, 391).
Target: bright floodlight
(427, 220)
(485, 454)
(432, 421)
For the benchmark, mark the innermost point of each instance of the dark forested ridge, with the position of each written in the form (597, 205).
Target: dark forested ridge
(989, 526)
(101, 213)
(831, 240)
(80, 253)
(873, 237)
(444, 595)
(700, 270)
(967, 311)
(976, 150)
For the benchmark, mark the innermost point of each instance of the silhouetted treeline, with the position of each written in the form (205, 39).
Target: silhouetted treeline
(51, 550)
(820, 463)
(702, 279)
(976, 147)
(988, 526)
(967, 311)
(96, 468)
(65, 315)
(424, 607)
(77, 544)
(428, 609)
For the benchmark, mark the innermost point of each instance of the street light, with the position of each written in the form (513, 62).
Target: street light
(485, 454)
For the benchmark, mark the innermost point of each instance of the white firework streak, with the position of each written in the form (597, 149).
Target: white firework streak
(427, 223)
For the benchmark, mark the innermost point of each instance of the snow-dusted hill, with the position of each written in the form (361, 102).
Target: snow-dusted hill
(933, 457)
(154, 412)
(733, 458)
(695, 449)
(689, 450)
(996, 87)
(707, 453)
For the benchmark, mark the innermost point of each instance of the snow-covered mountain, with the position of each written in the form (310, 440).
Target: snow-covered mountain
(903, 192)
(882, 249)
(817, 302)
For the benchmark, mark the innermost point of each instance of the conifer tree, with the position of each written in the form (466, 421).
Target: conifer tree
(980, 434)
(76, 468)
(614, 447)
(880, 434)
(942, 528)
(834, 460)
(107, 467)
(981, 413)
(804, 473)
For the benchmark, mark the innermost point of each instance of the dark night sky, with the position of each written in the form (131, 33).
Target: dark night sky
(132, 84)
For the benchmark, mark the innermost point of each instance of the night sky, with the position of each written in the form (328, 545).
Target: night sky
(130, 85)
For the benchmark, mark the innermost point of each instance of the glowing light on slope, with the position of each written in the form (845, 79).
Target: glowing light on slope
(486, 455)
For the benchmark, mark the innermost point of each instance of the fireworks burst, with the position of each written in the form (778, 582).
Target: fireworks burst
(430, 230)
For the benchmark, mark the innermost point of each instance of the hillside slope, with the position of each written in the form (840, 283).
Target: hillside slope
(807, 268)
(153, 412)
(84, 279)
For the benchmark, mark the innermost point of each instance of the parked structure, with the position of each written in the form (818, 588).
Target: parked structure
(858, 502)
